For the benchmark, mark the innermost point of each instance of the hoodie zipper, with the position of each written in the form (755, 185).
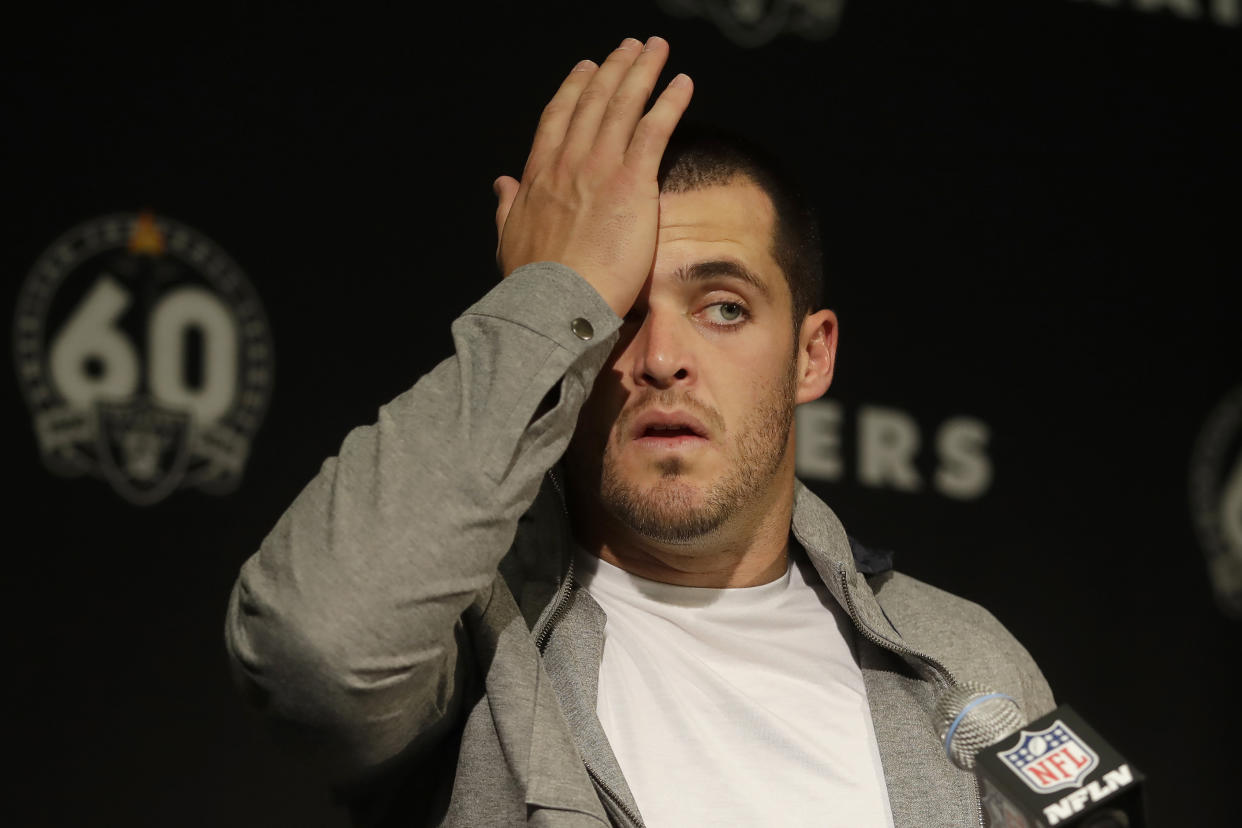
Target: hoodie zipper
(942, 672)
(541, 641)
(634, 818)
(563, 596)
(565, 590)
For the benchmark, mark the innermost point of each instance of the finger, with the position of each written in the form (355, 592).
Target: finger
(654, 129)
(506, 188)
(626, 106)
(555, 118)
(584, 124)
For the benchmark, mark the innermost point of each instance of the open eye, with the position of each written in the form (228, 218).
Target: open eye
(727, 314)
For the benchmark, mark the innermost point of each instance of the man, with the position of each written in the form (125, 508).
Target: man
(664, 629)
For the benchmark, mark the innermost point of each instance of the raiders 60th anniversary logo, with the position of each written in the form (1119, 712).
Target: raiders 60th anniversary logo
(144, 356)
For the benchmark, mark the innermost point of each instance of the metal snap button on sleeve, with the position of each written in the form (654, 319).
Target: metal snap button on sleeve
(582, 329)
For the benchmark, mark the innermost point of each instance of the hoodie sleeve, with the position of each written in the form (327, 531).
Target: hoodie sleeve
(345, 623)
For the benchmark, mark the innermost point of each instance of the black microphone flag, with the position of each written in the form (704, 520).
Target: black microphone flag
(1055, 771)
(1058, 771)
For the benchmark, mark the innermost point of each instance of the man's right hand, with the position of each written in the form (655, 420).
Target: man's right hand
(588, 197)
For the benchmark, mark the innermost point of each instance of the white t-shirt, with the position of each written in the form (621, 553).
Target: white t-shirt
(737, 706)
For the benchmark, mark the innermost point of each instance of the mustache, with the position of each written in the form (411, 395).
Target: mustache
(668, 399)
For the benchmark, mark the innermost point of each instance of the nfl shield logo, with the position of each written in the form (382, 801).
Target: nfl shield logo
(1051, 759)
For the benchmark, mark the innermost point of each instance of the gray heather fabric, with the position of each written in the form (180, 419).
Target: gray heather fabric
(387, 625)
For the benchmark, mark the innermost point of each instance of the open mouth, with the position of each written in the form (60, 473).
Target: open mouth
(669, 431)
(666, 432)
(669, 438)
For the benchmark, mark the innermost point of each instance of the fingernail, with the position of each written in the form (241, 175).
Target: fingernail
(680, 81)
(652, 42)
(631, 41)
(583, 65)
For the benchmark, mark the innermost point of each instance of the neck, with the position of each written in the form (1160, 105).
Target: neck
(749, 549)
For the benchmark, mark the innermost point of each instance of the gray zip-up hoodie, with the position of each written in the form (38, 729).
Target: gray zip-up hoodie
(411, 623)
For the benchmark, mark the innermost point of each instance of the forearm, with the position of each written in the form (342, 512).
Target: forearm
(344, 619)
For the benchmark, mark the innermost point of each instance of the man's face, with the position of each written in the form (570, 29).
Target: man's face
(689, 421)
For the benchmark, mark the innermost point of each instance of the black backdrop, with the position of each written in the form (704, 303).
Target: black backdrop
(1030, 212)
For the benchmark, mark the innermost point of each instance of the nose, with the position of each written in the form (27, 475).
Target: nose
(662, 354)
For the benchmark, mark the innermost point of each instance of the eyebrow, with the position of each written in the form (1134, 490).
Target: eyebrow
(727, 268)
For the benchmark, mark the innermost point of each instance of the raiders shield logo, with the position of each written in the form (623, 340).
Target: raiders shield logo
(1216, 499)
(754, 23)
(142, 449)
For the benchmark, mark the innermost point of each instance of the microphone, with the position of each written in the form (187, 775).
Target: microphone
(1055, 771)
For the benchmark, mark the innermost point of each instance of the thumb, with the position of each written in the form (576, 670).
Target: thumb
(506, 188)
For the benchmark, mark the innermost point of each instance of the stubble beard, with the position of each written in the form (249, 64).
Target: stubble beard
(673, 510)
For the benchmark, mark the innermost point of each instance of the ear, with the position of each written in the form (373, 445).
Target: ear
(817, 355)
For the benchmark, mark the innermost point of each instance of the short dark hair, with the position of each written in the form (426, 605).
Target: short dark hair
(699, 156)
